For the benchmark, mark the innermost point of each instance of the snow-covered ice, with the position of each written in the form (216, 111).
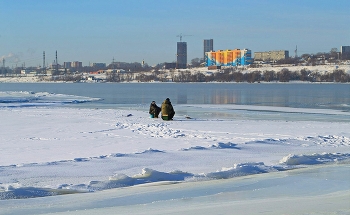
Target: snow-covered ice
(199, 165)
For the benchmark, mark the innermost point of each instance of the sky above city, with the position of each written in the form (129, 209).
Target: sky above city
(98, 31)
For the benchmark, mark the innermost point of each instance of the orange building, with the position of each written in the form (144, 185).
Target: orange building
(234, 57)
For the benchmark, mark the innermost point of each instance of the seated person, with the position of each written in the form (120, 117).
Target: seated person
(154, 110)
(167, 110)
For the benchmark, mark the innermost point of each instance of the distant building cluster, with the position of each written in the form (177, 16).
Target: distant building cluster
(235, 57)
(211, 58)
(70, 65)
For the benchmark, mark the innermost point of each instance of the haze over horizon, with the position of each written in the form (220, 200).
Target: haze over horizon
(131, 31)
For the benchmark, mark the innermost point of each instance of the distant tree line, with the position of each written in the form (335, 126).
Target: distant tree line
(233, 75)
(285, 75)
(229, 75)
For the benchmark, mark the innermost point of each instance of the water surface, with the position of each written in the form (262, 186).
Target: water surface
(183, 95)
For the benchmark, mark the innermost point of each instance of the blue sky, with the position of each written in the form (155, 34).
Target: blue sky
(135, 30)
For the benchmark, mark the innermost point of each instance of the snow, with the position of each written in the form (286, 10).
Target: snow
(319, 68)
(121, 160)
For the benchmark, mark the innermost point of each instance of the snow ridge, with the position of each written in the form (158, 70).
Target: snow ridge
(148, 175)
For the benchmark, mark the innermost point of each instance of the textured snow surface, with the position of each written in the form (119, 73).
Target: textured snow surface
(48, 151)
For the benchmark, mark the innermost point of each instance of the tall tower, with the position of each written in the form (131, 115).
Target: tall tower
(56, 63)
(181, 55)
(208, 46)
(44, 67)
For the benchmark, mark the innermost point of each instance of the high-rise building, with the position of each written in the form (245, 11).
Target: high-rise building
(67, 65)
(77, 64)
(345, 52)
(208, 46)
(181, 55)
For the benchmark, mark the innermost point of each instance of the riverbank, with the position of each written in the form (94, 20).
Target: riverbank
(93, 78)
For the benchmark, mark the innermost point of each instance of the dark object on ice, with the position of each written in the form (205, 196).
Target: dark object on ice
(167, 110)
(129, 115)
(154, 110)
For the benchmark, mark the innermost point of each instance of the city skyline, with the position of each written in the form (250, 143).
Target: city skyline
(93, 31)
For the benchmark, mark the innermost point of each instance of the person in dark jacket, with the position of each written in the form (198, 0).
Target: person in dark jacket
(154, 110)
(167, 110)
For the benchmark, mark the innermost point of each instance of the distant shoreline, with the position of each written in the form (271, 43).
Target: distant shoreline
(101, 78)
(20, 81)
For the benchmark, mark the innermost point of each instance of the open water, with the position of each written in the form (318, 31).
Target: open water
(185, 95)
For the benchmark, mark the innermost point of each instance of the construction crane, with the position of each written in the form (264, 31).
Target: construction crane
(180, 35)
